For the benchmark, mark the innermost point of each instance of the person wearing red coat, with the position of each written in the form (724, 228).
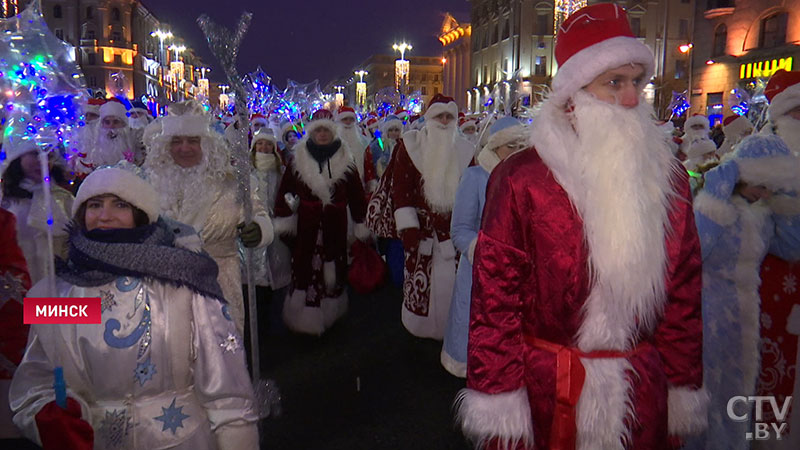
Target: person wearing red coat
(14, 283)
(585, 323)
(319, 189)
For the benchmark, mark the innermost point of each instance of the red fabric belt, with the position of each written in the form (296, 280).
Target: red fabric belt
(570, 376)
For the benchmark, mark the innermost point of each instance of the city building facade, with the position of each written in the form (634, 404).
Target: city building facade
(456, 59)
(738, 45)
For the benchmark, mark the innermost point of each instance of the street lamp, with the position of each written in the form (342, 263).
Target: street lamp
(161, 36)
(401, 66)
(361, 87)
(178, 50)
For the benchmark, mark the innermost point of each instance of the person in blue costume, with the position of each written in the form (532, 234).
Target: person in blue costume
(747, 208)
(507, 136)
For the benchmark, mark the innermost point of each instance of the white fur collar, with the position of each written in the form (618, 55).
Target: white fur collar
(320, 183)
(488, 159)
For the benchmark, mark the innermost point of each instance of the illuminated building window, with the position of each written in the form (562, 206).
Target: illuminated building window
(506, 29)
(540, 68)
(424, 90)
(495, 33)
(116, 36)
(115, 15)
(636, 26)
(485, 74)
(720, 40)
(773, 30)
(89, 12)
(714, 106)
(485, 37)
(544, 25)
(680, 68)
(57, 13)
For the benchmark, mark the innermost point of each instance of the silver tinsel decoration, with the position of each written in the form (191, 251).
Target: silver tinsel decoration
(268, 398)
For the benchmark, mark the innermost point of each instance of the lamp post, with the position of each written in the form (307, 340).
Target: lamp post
(339, 97)
(361, 88)
(161, 36)
(178, 50)
(401, 66)
(686, 49)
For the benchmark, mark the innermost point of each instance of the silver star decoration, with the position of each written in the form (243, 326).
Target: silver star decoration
(172, 417)
(11, 287)
(230, 344)
(107, 301)
(114, 428)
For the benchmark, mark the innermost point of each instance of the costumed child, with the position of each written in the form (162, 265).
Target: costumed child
(508, 136)
(166, 366)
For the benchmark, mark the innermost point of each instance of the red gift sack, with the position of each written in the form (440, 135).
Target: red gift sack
(367, 271)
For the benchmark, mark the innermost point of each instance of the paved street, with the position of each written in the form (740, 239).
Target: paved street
(365, 384)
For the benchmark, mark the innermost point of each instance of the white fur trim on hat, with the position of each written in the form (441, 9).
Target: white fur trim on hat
(314, 124)
(440, 107)
(122, 183)
(188, 125)
(738, 127)
(264, 136)
(517, 133)
(586, 65)
(697, 119)
(784, 102)
(344, 114)
(115, 109)
(701, 147)
(389, 124)
(468, 123)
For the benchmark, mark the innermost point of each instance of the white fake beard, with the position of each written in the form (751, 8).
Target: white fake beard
(788, 128)
(138, 123)
(181, 190)
(693, 135)
(440, 173)
(625, 168)
(351, 135)
(110, 150)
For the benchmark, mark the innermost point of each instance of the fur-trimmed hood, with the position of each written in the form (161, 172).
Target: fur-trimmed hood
(321, 183)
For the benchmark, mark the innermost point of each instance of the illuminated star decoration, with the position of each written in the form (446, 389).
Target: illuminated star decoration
(144, 371)
(11, 288)
(108, 301)
(230, 343)
(172, 417)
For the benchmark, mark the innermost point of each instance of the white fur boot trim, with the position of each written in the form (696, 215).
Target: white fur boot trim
(329, 272)
(301, 318)
(687, 411)
(456, 368)
(505, 417)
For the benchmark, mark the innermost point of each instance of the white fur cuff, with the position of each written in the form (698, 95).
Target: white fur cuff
(361, 232)
(285, 226)
(267, 231)
(720, 211)
(505, 417)
(687, 411)
(784, 205)
(406, 217)
(471, 251)
(371, 186)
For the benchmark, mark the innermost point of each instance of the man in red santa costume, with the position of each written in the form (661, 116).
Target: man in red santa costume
(110, 139)
(424, 183)
(350, 133)
(780, 298)
(585, 324)
(318, 188)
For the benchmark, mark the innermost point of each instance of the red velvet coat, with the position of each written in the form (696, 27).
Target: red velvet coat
(531, 281)
(14, 283)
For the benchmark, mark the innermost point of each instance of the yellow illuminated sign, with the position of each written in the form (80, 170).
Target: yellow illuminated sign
(764, 68)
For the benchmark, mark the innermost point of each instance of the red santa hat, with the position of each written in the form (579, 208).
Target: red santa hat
(345, 111)
(736, 125)
(228, 119)
(372, 123)
(321, 118)
(783, 93)
(591, 41)
(93, 105)
(441, 103)
(401, 113)
(696, 119)
(258, 118)
(123, 180)
(115, 108)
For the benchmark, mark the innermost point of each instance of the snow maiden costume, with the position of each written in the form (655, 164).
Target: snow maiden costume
(464, 227)
(585, 323)
(164, 369)
(736, 236)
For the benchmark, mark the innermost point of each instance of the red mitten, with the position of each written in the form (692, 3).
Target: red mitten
(64, 429)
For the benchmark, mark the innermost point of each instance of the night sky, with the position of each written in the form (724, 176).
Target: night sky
(307, 40)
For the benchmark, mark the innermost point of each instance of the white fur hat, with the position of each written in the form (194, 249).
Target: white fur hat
(504, 131)
(265, 134)
(736, 125)
(766, 160)
(113, 108)
(700, 147)
(122, 181)
(185, 125)
(696, 119)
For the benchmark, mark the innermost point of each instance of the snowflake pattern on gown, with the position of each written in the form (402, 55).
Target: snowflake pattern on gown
(114, 428)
